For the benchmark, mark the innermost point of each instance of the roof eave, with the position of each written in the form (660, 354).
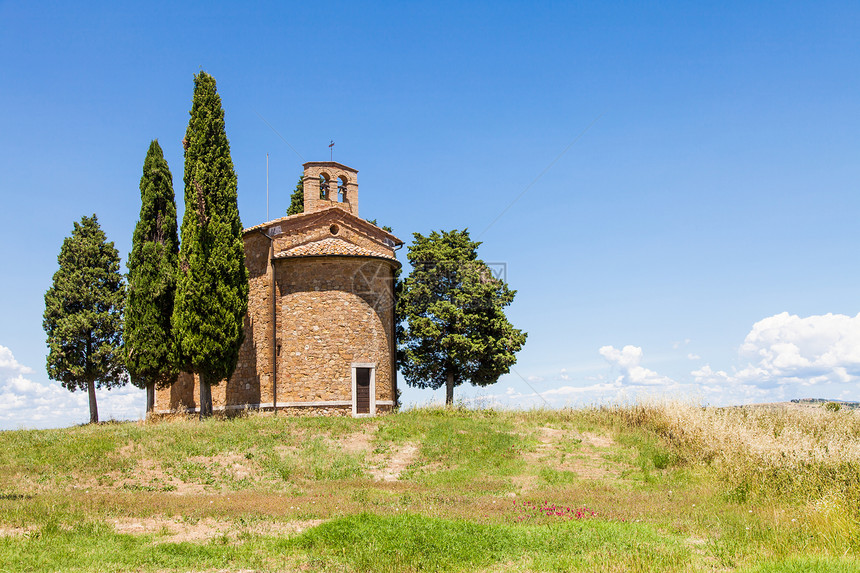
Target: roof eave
(273, 222)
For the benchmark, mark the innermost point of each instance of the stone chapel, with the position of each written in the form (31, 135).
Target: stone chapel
(319, 332)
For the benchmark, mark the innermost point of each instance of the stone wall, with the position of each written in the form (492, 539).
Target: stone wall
(251, 382)
(331, 312)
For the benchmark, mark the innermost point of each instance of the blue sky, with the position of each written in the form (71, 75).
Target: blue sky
(677, 183)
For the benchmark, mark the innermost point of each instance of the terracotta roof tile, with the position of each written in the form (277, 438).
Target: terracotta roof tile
(293, 219)
(330, 246)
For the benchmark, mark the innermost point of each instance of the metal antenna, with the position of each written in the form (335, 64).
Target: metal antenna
(331, 149)
(267, 187)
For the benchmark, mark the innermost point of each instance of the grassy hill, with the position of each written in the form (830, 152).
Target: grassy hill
(661, 487)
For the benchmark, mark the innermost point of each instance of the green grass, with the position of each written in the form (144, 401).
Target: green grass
(232, 495)
(367, 542)
(363, 542)
(96, 547)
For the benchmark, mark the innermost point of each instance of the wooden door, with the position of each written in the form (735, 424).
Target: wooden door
(362, 390)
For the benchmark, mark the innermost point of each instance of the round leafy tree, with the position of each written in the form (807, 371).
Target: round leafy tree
(454, 328)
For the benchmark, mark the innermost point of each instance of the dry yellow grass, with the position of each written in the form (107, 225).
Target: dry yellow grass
(779, 435)
(805, 454)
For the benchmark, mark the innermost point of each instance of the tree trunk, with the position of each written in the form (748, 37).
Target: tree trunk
(150, 398)
(449, 389)
(94, 408)
(205, 397)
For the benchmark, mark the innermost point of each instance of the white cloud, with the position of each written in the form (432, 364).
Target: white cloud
(785, 348)
(724, 388)
(555, 397)
(631, 373)
(25, 403)
(691, 356)
(8, 362)
(788, 356)
(605, 387)
(631, 379)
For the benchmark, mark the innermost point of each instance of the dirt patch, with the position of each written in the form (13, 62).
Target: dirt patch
(127, 450)
(284, 451)
(548, 435)
(177, 530)
(14, 531)
(358, 442)
(568, 450)
(400, 459)
(231, 465)
(151, 475)
(598, 441)
(383, 466)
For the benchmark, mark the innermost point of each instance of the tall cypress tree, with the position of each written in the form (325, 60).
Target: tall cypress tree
(152, 265)
(83, 314)
(297, 199)
(212, 283)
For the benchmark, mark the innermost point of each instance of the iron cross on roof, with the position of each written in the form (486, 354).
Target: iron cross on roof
(331, 150)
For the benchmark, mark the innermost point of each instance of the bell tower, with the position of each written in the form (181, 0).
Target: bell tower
(330, 184)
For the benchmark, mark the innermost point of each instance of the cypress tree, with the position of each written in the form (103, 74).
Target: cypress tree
(152, 264)
(83, 314)
(297, 199)
(212, 283)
